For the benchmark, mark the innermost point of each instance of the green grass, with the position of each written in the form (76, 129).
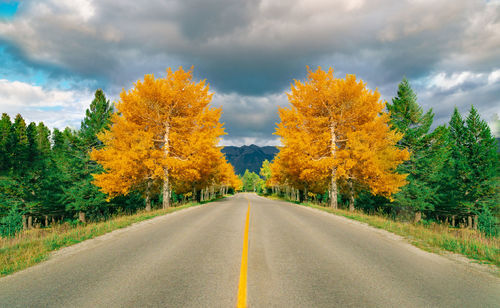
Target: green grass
(33, 246)
(434, 237)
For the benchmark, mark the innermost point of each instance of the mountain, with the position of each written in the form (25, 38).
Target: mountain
(248, 157)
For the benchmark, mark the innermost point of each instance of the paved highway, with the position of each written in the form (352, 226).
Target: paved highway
(297, 257)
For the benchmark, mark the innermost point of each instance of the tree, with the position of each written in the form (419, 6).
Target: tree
(20, 144)
(251, 181)
(265, 173)
(428, 151)
(154, 127)
(5, 142)
(336, 130)
(97, 118)
(86, 197)
(471, 170)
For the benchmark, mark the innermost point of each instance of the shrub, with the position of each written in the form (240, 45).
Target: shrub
(488, 223)
(12, 223)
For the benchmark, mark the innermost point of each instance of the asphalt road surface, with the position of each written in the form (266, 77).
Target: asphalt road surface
(297, 257)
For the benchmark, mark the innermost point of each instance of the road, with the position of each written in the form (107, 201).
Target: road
(297, 257)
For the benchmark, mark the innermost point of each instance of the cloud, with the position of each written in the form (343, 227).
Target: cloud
(251, 47)
(251, 50)
(249, 119)
(443, 82)
(494, 76)
(56, 108)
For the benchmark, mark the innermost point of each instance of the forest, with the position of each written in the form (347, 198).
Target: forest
(343, 147)
(139, 154)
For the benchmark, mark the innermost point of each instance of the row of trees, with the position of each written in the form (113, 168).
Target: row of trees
(46, 175)
(157, 145)
(338, 137)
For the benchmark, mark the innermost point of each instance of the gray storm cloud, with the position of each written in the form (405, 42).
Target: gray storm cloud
(250, 51)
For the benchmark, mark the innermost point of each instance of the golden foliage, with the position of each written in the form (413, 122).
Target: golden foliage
(337, 129)
(163, 131)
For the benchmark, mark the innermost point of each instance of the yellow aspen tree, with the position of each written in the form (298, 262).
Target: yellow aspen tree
(156, 125)
(322, 130)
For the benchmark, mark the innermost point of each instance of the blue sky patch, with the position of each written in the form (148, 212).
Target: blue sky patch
(8, 9)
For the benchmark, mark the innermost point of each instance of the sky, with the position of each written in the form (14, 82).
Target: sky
(54, 54)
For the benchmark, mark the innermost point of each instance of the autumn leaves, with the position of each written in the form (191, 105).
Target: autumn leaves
(164, 136)
(336, 133)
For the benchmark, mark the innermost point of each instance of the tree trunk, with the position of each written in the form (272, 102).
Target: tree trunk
(30, 222)
(453, 221)
(469, 222)
(81, 216)
(53, 220)
(193, 197)
(166, 190)
(351, 196)
(418, 216)
(148, 197)
(333, 180)
(475, 222)
(166, 180)
(306, 197)
(333, 191)
(25, 223)
(46, 221)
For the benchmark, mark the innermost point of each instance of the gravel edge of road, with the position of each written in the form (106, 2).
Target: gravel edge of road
(458, 258)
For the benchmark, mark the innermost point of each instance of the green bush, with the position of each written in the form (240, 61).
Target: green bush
(12, 223)
(488, 223)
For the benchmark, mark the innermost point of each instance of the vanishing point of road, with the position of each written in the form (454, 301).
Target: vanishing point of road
(297, 257)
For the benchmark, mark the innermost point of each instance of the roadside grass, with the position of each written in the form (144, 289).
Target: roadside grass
(35, 245)
(433, 237)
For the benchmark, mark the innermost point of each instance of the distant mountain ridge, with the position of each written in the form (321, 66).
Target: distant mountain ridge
(248, 157)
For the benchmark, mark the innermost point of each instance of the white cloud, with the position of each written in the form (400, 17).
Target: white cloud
(56, 108)
(445, 82)
(494, 76)
(248, 140)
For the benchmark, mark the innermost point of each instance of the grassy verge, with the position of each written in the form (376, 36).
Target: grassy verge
(433, 238)
(33, 246)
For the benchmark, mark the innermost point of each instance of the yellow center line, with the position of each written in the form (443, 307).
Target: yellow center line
(242, 286)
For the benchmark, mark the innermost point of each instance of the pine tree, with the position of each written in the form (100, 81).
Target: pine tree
(43, 141)
(471, 183)
(85, 198)
(97, 118)
(20, 145)
(5, 143)
(428, 151)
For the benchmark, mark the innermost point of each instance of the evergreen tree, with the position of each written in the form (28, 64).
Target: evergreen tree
(42, 140)
(427, 151)
(97, 118)
(5, 142)
(471, 171)
(31, 134)
(20, 144)
(85, 197)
